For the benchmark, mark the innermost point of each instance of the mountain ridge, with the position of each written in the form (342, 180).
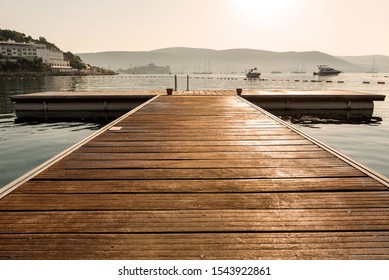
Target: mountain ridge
(188, 60)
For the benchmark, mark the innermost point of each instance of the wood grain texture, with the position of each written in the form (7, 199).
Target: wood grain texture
(195, 176)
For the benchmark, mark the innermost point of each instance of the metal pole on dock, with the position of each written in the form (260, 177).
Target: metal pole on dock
(175, 82)
(187, 82)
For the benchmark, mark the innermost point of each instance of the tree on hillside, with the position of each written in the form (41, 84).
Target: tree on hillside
(74, 61)
(42, 40)
(24, 64)
(19, 37)
(6, 34)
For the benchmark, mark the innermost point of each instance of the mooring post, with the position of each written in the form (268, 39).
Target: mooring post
(175, 82)
(169, 91)
(187, 82)
(239, 91)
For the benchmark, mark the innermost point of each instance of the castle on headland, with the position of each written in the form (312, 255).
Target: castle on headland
(151, 68)
(11, 51)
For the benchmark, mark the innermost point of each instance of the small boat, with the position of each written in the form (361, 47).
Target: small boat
(297, 71)
(253, 74)
(325, 70)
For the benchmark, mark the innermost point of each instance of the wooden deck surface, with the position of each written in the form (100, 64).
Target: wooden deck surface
(190, 177)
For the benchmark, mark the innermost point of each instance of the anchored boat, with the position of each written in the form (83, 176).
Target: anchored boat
(325, 70)
(253, 74)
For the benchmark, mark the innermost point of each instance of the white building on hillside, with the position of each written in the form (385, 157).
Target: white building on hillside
(12, 50)
(55, 59)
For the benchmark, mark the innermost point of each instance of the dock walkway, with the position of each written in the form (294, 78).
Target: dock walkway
(197, 177)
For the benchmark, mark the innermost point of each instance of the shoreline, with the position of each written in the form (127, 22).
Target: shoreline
(50, 73)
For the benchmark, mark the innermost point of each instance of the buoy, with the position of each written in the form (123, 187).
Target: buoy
(366, 82)
(340, 82)
(328, 81)
(381, 83)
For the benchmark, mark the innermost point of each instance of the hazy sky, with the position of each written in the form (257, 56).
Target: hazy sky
(337, 27)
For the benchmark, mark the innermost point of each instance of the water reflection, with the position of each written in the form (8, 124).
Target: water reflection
(311, 117)
(66, 116)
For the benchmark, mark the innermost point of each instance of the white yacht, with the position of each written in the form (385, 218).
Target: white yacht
(325, 70)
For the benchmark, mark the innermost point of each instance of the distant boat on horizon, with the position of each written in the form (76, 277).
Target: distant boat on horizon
(372, 69)
(253, 74)
(299, 71)
(203, 73)
(206, 71)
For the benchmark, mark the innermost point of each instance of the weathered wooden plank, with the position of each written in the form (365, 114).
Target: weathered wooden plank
(313, 239)
(111, 137)
(182, 249)
(188, 201)
(188, 143)
(212, 254)
(207, 163)
(186, 245)
(162, 131)
(200, 186)
(195, 149)
(188, 221)
(214, 173)
(78, 155)
(205, 116)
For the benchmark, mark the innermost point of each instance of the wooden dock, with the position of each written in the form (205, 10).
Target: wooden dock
(197, 177)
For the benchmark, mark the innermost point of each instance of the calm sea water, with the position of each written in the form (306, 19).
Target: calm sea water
(24, 145)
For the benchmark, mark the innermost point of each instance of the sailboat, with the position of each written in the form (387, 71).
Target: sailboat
(372, 69)
(205, 69)
(299, 71)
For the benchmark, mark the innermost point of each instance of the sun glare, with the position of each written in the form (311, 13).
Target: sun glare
(263, 11)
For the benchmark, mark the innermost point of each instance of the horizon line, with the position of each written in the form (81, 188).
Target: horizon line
(240, 48)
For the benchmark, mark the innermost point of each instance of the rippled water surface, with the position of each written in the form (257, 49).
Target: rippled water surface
(24, 145)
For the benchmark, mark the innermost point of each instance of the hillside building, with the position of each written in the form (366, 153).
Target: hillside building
(12, 50)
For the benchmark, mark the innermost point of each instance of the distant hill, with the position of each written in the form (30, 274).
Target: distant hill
(381, 62)
(188, 60)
